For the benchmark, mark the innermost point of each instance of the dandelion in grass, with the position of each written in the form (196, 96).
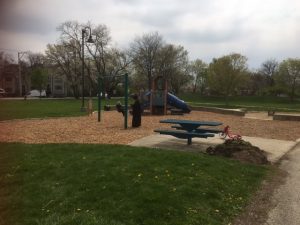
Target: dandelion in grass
(139, 175)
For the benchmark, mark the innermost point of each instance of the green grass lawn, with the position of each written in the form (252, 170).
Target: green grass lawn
(62, 184)
(40, 108)
(260, 103)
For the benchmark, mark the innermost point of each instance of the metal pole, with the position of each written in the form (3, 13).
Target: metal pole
(126, 101)
(99, 99)
(82, 71)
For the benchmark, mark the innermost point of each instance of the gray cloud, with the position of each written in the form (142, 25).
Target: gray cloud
(28, 24)
(258, 29)
(23, 21)
(205, 36)
(157, 19)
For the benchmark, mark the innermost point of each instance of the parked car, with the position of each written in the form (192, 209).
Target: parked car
(36, 93)
(2, 92)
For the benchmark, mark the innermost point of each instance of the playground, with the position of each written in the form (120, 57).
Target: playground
(166, 197)
(111, 130)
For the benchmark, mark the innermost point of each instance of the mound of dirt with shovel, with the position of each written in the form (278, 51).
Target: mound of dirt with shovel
(239, 150)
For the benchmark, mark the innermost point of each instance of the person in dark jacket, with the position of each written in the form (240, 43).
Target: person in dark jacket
(136, 112)
(120, 108)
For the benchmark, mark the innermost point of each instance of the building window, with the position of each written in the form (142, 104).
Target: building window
(58, 80)
(58, 87)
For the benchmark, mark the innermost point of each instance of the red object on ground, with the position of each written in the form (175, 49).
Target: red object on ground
(226, 133)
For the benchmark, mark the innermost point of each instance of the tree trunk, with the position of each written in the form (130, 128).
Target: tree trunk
(75, 91)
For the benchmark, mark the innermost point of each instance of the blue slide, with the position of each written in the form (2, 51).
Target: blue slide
(174, 101)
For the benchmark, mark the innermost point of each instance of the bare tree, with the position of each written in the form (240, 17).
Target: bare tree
(5, 58)
(144, 52)
(269, 68)
(109, 61)
(65, 62)
(100, 58)
(172, 63)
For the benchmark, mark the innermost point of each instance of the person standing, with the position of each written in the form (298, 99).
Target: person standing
(136, 112)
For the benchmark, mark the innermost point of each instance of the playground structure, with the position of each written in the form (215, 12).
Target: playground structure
(158, 96)
(158, 100)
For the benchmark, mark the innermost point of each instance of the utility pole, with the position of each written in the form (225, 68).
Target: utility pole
(90, 40)
(20, 55)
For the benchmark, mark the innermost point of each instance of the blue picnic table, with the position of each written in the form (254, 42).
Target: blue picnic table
(187, 129)
(190, 125)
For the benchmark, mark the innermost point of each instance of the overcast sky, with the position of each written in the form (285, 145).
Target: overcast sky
(258, 29)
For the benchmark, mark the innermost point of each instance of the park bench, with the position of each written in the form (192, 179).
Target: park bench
(200, 130)
(184, 134)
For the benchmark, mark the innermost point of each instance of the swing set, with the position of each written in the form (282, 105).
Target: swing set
(100, 89)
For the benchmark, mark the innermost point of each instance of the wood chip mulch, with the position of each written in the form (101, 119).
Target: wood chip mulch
(111, 130)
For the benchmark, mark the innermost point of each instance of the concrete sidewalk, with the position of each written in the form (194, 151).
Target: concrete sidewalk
(286, 197)
(275, 148)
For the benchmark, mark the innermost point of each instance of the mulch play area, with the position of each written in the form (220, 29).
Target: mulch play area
(111, 130)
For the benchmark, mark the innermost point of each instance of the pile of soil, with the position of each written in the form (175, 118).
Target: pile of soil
(239, 150)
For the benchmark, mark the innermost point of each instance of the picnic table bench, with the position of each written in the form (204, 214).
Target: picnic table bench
(188, 129)
(200, 130)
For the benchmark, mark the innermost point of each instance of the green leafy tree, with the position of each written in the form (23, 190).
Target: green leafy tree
(226, 74)
(199, 70)
(39, 79)
(288, 78)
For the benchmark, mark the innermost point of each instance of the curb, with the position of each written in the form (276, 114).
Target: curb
(236, 112)
(286, 117)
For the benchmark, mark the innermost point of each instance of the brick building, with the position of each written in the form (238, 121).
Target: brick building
(10, 79)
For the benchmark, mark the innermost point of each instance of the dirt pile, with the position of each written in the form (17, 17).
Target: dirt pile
(239, 150)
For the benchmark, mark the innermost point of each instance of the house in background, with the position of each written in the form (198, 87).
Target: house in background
(10, 79)
(11, 83)
(57, 86)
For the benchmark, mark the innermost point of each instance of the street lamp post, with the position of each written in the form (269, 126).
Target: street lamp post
(89, 40)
